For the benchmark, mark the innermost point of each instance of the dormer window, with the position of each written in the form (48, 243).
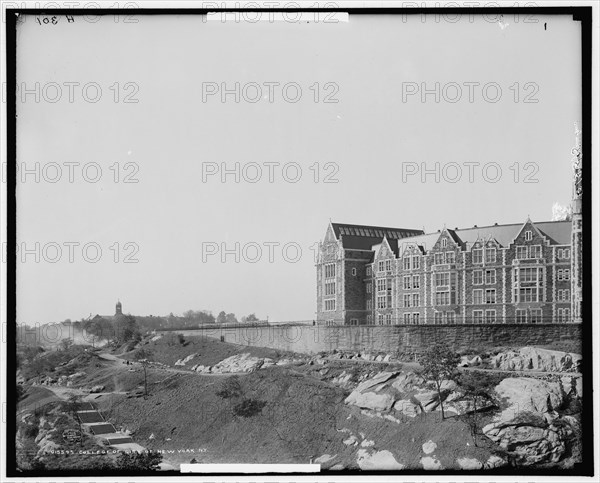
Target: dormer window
(444, 242)
(528, 235)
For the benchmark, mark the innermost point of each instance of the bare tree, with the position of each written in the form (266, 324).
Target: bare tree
(142, 357)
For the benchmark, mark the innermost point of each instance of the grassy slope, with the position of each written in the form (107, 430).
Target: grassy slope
(167, 350)
(34, 397)
(302, 417)
(301, 420)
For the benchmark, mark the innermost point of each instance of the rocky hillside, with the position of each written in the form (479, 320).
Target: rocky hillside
(214, 402)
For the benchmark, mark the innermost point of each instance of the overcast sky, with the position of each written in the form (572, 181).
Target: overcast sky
(172, 136)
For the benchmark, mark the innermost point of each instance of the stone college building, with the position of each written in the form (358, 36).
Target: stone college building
(526, 273)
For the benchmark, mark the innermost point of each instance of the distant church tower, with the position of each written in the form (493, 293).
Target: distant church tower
(119, 308)
(576, 232)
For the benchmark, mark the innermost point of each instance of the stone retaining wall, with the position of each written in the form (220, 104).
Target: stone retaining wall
(390, 339)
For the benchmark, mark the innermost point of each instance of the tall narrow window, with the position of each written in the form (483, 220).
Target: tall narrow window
(416, 261)
(490, 277)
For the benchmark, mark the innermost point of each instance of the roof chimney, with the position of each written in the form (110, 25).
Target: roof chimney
(495, 224)
(474, 226)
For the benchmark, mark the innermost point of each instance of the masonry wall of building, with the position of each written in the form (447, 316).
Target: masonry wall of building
(354, 286)
(359, 306)
(391, 339)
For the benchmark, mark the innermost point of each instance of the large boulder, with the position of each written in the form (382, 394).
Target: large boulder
(536, 359)
(370, 393)
(528, 394)
(240, 363)
(466, 463)
(530, 439)
(529, 427)
(428, 400)
(408, 382)
(407, 408)
(379, 460)
(572, 386)
(370, 400)
(185, 360)
(376, 380)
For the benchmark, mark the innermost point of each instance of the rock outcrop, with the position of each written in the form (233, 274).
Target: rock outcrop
(528, 394)
(237, 363)
(184, 361)
(529, 427)
(406, 392)
(535, 359)
(378, 460)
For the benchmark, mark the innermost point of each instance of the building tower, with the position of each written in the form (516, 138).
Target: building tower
(576, 231)
(119, 309)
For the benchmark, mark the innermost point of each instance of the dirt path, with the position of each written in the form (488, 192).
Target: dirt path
(522, 373)
(108, 356)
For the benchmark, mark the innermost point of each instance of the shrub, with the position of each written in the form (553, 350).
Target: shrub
(139, 461)
(231, 388)
(248, 408)
(354, 373)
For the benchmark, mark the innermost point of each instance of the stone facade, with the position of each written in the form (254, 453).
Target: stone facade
(499, 274)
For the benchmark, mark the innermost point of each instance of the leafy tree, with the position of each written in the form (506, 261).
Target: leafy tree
(222, 317)
(249, 319)
(139, 461)
(231, 319)
(475, 388)
(439, 363)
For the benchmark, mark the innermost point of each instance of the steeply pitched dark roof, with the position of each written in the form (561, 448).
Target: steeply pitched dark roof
(558, 233)
(363, 237)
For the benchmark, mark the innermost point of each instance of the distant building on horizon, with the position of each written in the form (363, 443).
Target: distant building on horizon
(118, 314)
